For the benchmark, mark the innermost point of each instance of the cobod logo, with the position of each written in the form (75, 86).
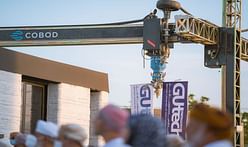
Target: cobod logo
(17, 35)
(20, 35)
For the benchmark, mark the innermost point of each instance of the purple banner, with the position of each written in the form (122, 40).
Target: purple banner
(174, 107)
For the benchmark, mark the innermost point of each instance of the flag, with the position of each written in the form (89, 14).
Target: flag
(142, 99)
(174, 107)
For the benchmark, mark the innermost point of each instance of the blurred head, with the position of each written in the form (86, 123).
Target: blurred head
(20, 140)
(12, 137)
(111, 119)
(207, 124)
(26, 140)
(173, 140)
(72, 135)
(146, 131)
(31, 140)
(46, 133)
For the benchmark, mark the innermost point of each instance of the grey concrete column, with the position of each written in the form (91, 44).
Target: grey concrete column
(69, 104)
(10, 103)
(97, 101)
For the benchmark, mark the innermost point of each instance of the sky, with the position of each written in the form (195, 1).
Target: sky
(124, 63)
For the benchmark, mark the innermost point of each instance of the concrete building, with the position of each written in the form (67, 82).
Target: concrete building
(33, 88)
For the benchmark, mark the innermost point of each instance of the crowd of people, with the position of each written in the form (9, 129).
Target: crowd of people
(207, 127)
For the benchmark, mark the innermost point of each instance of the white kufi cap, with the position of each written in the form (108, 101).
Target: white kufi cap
(47, 129)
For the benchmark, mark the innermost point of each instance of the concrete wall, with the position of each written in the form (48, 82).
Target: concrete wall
(97, 101)
(10, 103)
(65, 104)
(69, 104)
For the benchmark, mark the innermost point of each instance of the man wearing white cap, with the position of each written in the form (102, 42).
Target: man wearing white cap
(72, 135)
(46, 133)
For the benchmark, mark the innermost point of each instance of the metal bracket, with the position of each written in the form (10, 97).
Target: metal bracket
(215, 55)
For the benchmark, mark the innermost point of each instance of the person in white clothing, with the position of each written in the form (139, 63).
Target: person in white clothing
(72, 135)
(209, 127)
(46, 133)
(111, 124)
(173, 140)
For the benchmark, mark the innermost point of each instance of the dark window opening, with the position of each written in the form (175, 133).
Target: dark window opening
(34, 104)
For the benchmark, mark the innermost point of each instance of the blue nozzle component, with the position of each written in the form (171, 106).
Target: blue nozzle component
(158, 67)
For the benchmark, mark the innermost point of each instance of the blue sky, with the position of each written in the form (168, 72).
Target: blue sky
(123, 63)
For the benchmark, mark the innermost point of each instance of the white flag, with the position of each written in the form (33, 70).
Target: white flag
(142, 99)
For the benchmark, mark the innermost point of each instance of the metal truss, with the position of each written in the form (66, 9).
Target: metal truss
(201, 31)
(196, 30)
(187, 29)
(232, 18)
(233, 13)
(244, 50)
(204, 32)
